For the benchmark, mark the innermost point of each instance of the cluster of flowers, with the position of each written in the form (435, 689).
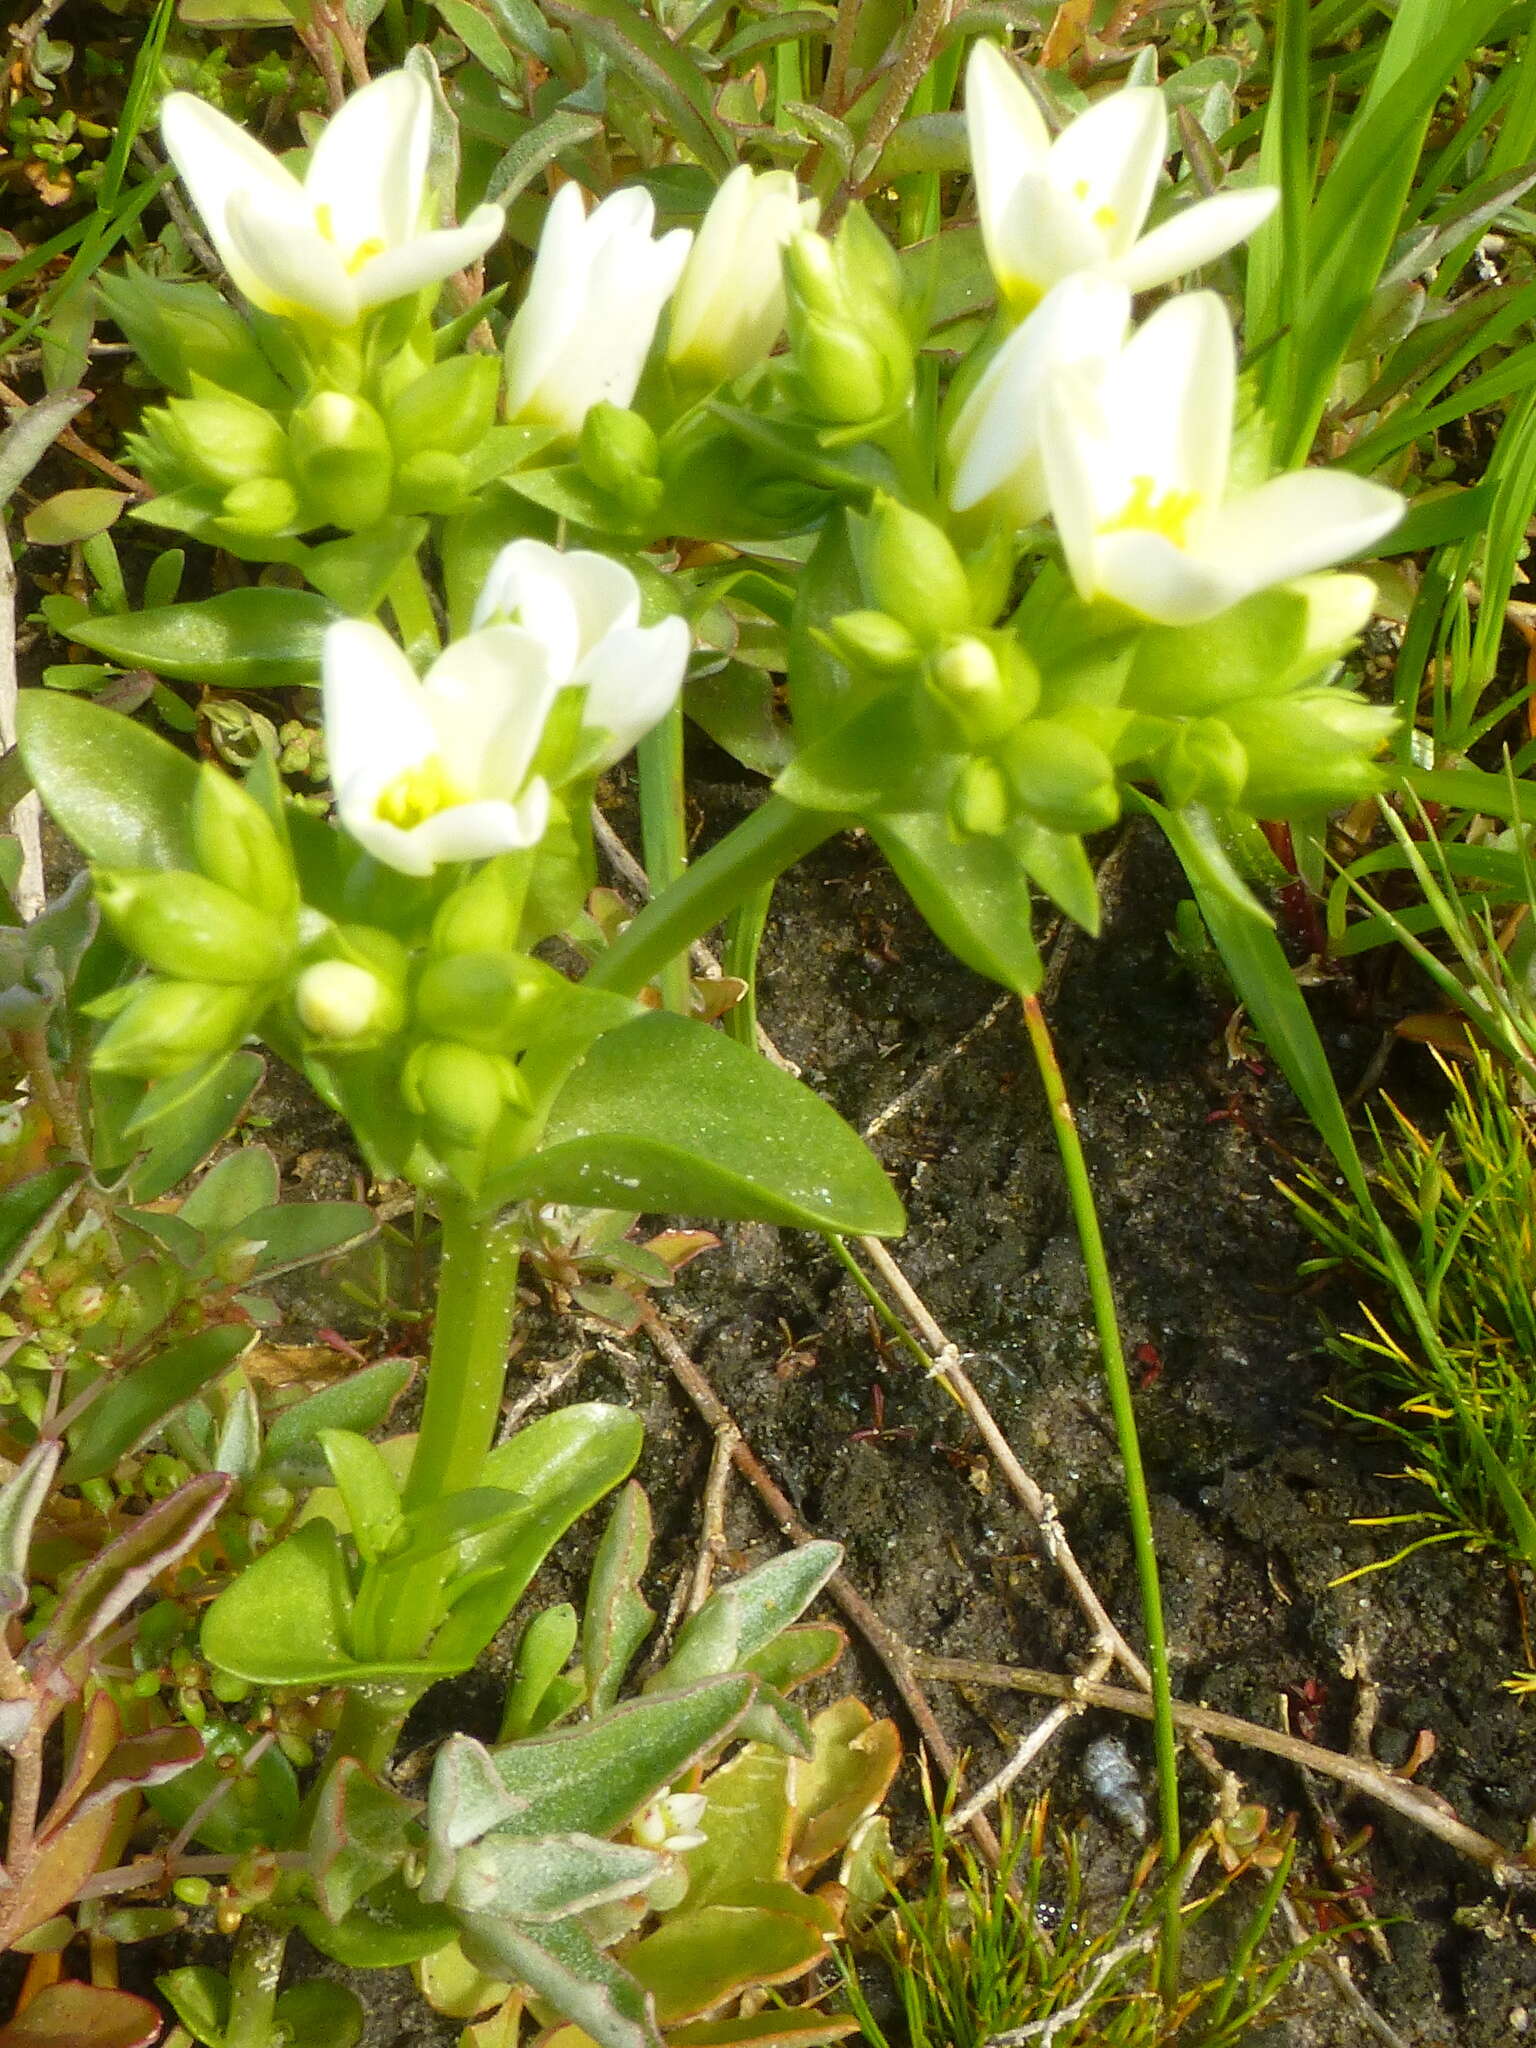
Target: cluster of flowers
(1121, 435)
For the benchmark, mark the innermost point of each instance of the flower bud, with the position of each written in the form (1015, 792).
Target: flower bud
(343, 1004)
(852, 354)
(168, 1026)
(970, 683)
(876, 642)
(1311, 751)
(486, 914)
(617, 449)
(448, 410)
(481, 999)
(343, 461)
(192, 928)
(431, 482)
(263, 507)
(1203, 763)
(458, 1092)
(979, 803)
(910, 569)
(238, 846)
(1061, 776)
(729, 308)
(223, 440)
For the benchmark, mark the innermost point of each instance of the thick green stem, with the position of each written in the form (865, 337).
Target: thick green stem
(664, 836)
(255, 1970)
(370, 1723)
(411, 604)
(476, 1305)
(1101, 1291)
(777, 834)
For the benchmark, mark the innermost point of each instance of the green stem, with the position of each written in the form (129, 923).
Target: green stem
(411, 603)
(255, 1970)
(476, 1306)
(743, 937)
(1101, 1291)
(777, 834)
(664, 836)
(370, 1723)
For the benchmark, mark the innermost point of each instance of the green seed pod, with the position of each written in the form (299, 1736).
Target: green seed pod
(238, 846)
(1060, 776)
(192, 928)
(432, 482)
(486, 915)
(616, 448)
(979, 804)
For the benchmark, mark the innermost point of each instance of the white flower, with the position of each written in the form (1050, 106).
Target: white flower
(1079, 203)
(583, 609)
(1137, 455)
(994, 445)
(729, 309)
(671, 1821)
(351, 235)
(583, 332)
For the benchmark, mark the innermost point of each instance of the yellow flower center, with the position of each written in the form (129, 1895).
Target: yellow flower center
(420, 793)
(1145, 511)
(1103, 217)
(363, 253)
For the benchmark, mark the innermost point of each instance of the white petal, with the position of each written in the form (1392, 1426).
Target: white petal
(407, 852)
(995, 440)
(1307, 519)
(729, 307)
(216, 159)
(1008, 138)
(633, 681)
(377, 723)
(369, 168)
(476, 831)
(527, 587)
(428, 258)
(489, 696)
(288, 266)
(1146, 572)
(604, 594)
(1074, 448)
(1170, 397)
(1195, 237)
(553, 305)
(1109, 159)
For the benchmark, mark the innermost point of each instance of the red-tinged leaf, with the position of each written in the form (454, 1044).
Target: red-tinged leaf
(83, 2016)
(60, 1867)
(101, 1725)
(21, 1499)
(138, 1761)
(127, 1567)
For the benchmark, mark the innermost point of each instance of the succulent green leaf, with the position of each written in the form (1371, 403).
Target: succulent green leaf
(367, 1488)
(21, 1501)
(122, 795)
(562, 1965)
(261, 1803)
(321, 2014)
(204, 1114)
(261, 637)
(617, 1618)
(359, 1403)
(698, 1958)
(116, 1576)
(83, 2016)
(973, 892)
(543, 1651)
(388, 1926)
(135, 1405)
(361, 1834)
(545, 1878)
(200, 1999)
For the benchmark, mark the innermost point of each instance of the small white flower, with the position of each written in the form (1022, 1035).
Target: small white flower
(994, 444)
(1137, 455)
(1080, 203)
(729, 309)
(437, 770)
(351, 236)
(671, 1822)
(584, 330)
(583, 609)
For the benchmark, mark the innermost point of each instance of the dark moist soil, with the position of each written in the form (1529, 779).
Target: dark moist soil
(1254, 1486)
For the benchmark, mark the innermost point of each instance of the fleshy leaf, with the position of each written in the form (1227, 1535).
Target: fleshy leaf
(260, 637)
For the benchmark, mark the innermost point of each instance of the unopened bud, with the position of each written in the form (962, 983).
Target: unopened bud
(342, 1003)
(448, 410)
(224, 441)
(1311, 751)
(969, 683)
(263, 507)
(852, 355)
(458, 1092)
(876, 642)
(193, 929)
(617, 448)
(237, 844)
(1204, 763)
(481, 998)
(343, 461)
(1061, 776)
(979, 804)
(431, 482)
(486, 914)
(168, 1026)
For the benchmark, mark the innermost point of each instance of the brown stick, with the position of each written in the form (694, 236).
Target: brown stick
(887, 1646)
(1372, 1779)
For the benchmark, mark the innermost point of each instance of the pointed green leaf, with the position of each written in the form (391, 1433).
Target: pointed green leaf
(562, 1965)
(135, 1405)
(544, 1878)
(617, 1618)
(543, 1649)
(28, 1211)
(262, 637)
(974, 894)
(122, 795)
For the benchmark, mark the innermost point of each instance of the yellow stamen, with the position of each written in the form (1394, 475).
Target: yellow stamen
(324, 224)
(364, 253)
(1143, 510)
(420, 793)
(1106, 218)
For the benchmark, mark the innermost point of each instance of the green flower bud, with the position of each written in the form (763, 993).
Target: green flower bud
(237, 844)
(223, 440)
(486, 914)
(481, 999)
(979, 804)
(852, 354)
(1204, 762)
(345, 1005)
(910, 569)
(431, 482)
(876, 642)
(168, 1026)
(192, 928)
(616, 446)
(263, 507)
(458, 1092)
(343, 461)
(1060, 776)
(1311, 751)
(448, 410)
(972, 685)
